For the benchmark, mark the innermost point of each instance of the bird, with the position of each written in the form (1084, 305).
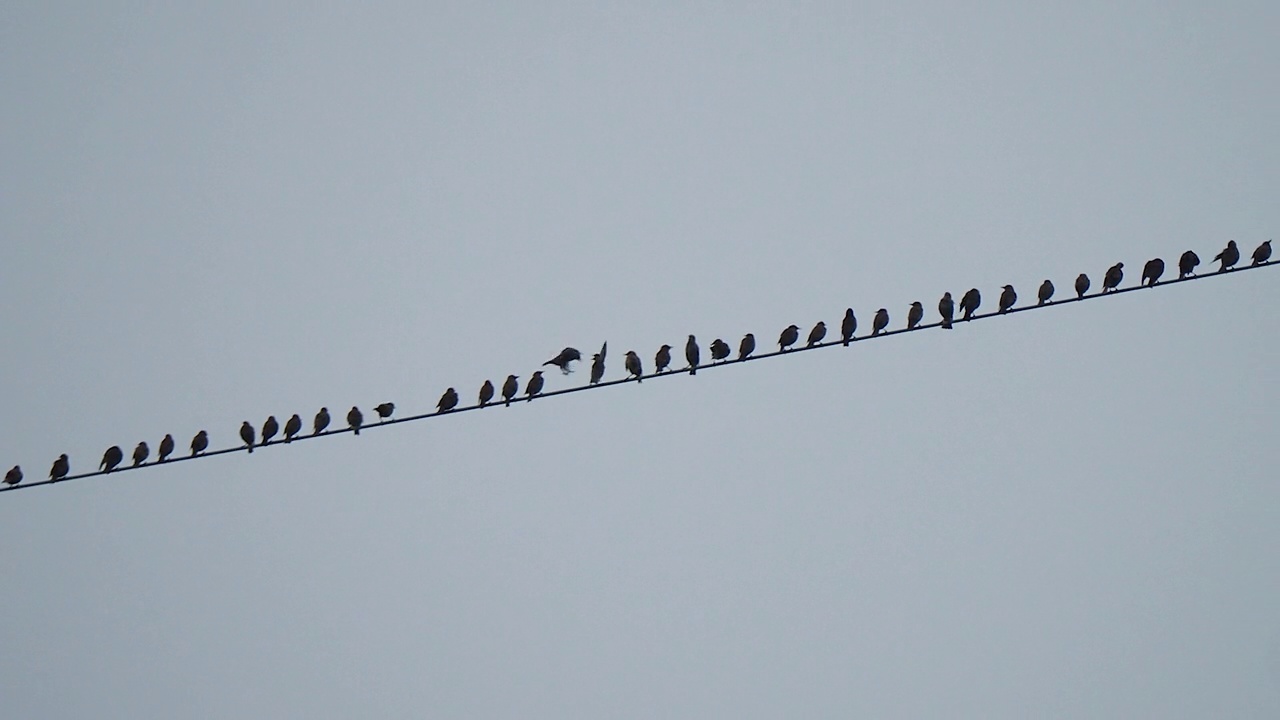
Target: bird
(662, 360)
(14, 476)
(199, 443)
(355, 419)
(915, 315)
(321, 421)
(486, 393)
(1187, 263)
(1152, 271)
(747, 346)
(879, 322)
(1008, 298)
(384, 410)
(970, 302)
(246, 434)
(719, 350)
(788, 337)
(166, 448)
(848, 326)
(535, 385)
(509, 389)
(1082, 285)
(562, 360)
(633, 365)
(1112, 279)
(1045, 293)
(597, 368)
(818, 332)
(448, 401)
(947, 309)
(1262, 253)
(292, 427)
(691, 354)
(141, 453)
(1229, 256)
(269, 429)
(111, 458)
(60, 468)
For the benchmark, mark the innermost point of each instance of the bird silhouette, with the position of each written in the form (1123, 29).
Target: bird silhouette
(141, 453)
(1007, 298)
(915, 315)
(1115, 274)
(1262, 253)
(486, 393)
(1187, 263)
(848, 326)
(1082, 285)
(448, 401)
(747, 346)
(166, 448)
(818, 332)
(691, 354)
(60, 468)
(321, 422)
(384, 410)
(562, 360)
(1151, 272)
(969, 302)
(632, 363)
(597, 368)
(14, 476)
(509, 389)
(947, 309)
(535, 385)
(719, 350)
(788, 337)
(199, 443)
(246, 434)
(292, 427)
(1229, 256)
(879, 322)
(269, 429)
(662, 360)
(355, 419)
(111, 458)
(1046, 292)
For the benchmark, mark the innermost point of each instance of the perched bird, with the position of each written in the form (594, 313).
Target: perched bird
(597, 368)
(818, 332)
(747, 346)
(355, 419)
(1262, 253)
(535, 385)
(633, 365)
(292, 427)
(947, 309)
(691, 354)
(269, 429)
(879, 322)
(448, 401)
(486, 393)
(321, 421)
(1229, 256)
(384, 410)
(1152, 271)
(970, 302)
(1187, 263)
(915, 315)
(111, 458)
(60, 468)
(1112, 279)
(848, 326)
(1008, 298)
(166, 448)
(199, 443)
(788, 337)
(246, 434)
(509, 389)
(662, 360)
(14, 476)
(141, 453)
(1082, 285)
(562, 360)
(719, 350)
(1046, 292)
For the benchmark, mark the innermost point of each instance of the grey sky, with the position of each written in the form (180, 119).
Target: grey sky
(212, 215)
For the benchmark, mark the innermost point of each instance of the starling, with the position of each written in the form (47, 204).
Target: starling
(1112, 279)
(1187, 263)
(691, 354)
(448, 401)
(562, 360)
(719, 350)
(141, 453)
(879, 322)
(970, 302)
(818, 332)
(747, 346)
(321, 421)
(1262, 253)
(269, 429)
(597, 368)
(14, 476)
(384, 410)
(60, 468)
(509, 389)
(486, 393)
(355, 419)
(633, 365)
(1152, 271)
(246, 434)
(848, 326)
(662, 360)
(915, 315)
(1229, 256)
(166, 448)
(1046, 292)
(535, 385)
(1082, 285)
(788, 337)
(947, 309)
(199, 443)
(111, 458)
(1007, 298)
(292, 427)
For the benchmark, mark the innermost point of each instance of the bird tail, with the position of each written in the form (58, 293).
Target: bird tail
(250, 448)
(693, 369)
(357, 430)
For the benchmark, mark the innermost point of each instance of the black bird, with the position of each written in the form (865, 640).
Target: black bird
(633, 365)
(269, 429)
(448, 401)
(1082, 285)
(486, 393)
(1112, 279)
(246, 434)
(562, 360)
(1262, 253)
(719, 350)
(1008, 298)
(597, 366)
(1229, 256)
(818, 332)
(509, 389)
(14, 476)
(292, 427)
(691, 354)
(788, 337)
(1046, 292)
(535, 385)
(384, 410)
(848, 326)
(355, 419)
(321, 421)
(166, 448)
(111, 458)
(970, 302)
(662, 360)
(947, 309)
(141, 453)
(879, 322)
(915, 315)
(199, 443)
(747, 346)
(60, 468)
(1152, 271)
(1187, 263)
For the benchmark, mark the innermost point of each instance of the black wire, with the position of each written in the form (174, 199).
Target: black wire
(670, 373)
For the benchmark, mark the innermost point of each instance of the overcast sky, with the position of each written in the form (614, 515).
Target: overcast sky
(213, 215)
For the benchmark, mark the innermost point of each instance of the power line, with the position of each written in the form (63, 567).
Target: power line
(670, 373)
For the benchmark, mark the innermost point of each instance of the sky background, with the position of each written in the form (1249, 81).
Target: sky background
(212, 214)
